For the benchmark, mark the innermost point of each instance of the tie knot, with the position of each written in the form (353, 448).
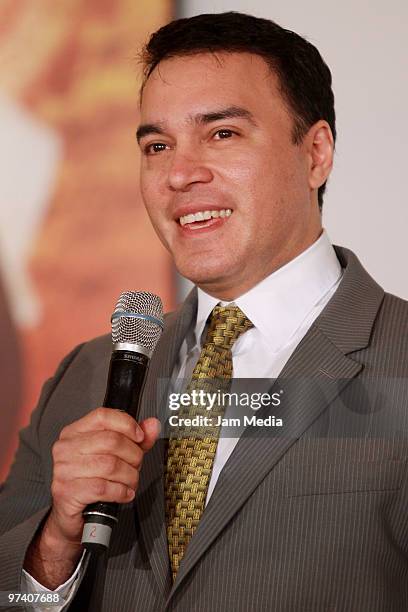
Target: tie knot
(227, 323)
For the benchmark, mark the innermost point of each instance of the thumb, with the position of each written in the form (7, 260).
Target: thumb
(151, 429)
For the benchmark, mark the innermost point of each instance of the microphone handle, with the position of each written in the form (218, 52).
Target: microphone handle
(126, 378)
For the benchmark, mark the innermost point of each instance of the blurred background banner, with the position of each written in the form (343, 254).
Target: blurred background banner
(73, 230)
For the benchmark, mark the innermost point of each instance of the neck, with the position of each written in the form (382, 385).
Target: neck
(231, 289)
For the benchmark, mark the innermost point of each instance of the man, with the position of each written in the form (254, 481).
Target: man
(237, 136)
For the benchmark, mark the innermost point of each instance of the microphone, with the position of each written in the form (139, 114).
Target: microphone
(137, 324)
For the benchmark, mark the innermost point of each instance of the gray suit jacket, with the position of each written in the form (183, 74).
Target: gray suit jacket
(314, 520)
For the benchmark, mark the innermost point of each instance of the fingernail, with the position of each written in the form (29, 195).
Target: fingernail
(158, 426)
(139, 433)
(131, 493)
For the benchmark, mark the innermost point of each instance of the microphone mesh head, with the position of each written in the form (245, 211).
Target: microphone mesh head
(128, 328)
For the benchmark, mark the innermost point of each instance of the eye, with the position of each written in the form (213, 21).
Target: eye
(224, 133)
(154, 148)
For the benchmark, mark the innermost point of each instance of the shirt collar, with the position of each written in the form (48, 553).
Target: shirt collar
(279, 304)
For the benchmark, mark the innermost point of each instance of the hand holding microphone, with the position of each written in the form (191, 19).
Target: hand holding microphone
(137, 324)
(97, 459)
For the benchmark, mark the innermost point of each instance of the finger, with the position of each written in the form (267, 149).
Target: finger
(151, 428)
(98, 443)
(107, 467)
(84, 491)
(105, 419)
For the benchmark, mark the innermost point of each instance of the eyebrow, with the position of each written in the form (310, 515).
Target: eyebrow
(230, 112)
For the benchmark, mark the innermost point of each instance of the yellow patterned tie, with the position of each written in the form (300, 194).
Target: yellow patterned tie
(190, 459)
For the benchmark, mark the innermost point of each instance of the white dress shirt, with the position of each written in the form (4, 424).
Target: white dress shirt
(282, 307)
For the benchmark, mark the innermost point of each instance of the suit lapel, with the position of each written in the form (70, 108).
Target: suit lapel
(150, 498)
(319, 369)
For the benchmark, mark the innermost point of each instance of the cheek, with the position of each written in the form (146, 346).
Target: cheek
(148, 182)
(144, 190)
(283, 179)
(244, 169)
(148, 198)
(153, 211)
(259, 174)
(152, 198)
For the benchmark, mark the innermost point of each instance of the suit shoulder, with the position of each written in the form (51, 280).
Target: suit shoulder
(393, 313)
(95, 349)
(98, 345)
(388, 348)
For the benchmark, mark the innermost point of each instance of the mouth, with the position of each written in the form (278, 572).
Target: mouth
(204, 219)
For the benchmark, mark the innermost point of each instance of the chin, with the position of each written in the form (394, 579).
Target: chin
(201, 272)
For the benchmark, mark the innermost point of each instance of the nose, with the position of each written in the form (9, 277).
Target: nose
(186, 170)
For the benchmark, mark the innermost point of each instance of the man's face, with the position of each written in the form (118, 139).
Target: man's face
(227, 191)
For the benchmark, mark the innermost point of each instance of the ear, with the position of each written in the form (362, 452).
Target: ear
(321, 149)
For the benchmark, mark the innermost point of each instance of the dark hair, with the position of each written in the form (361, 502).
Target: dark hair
(305, 80)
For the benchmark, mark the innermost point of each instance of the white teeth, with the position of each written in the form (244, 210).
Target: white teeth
(187, 219)
(205, 215)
